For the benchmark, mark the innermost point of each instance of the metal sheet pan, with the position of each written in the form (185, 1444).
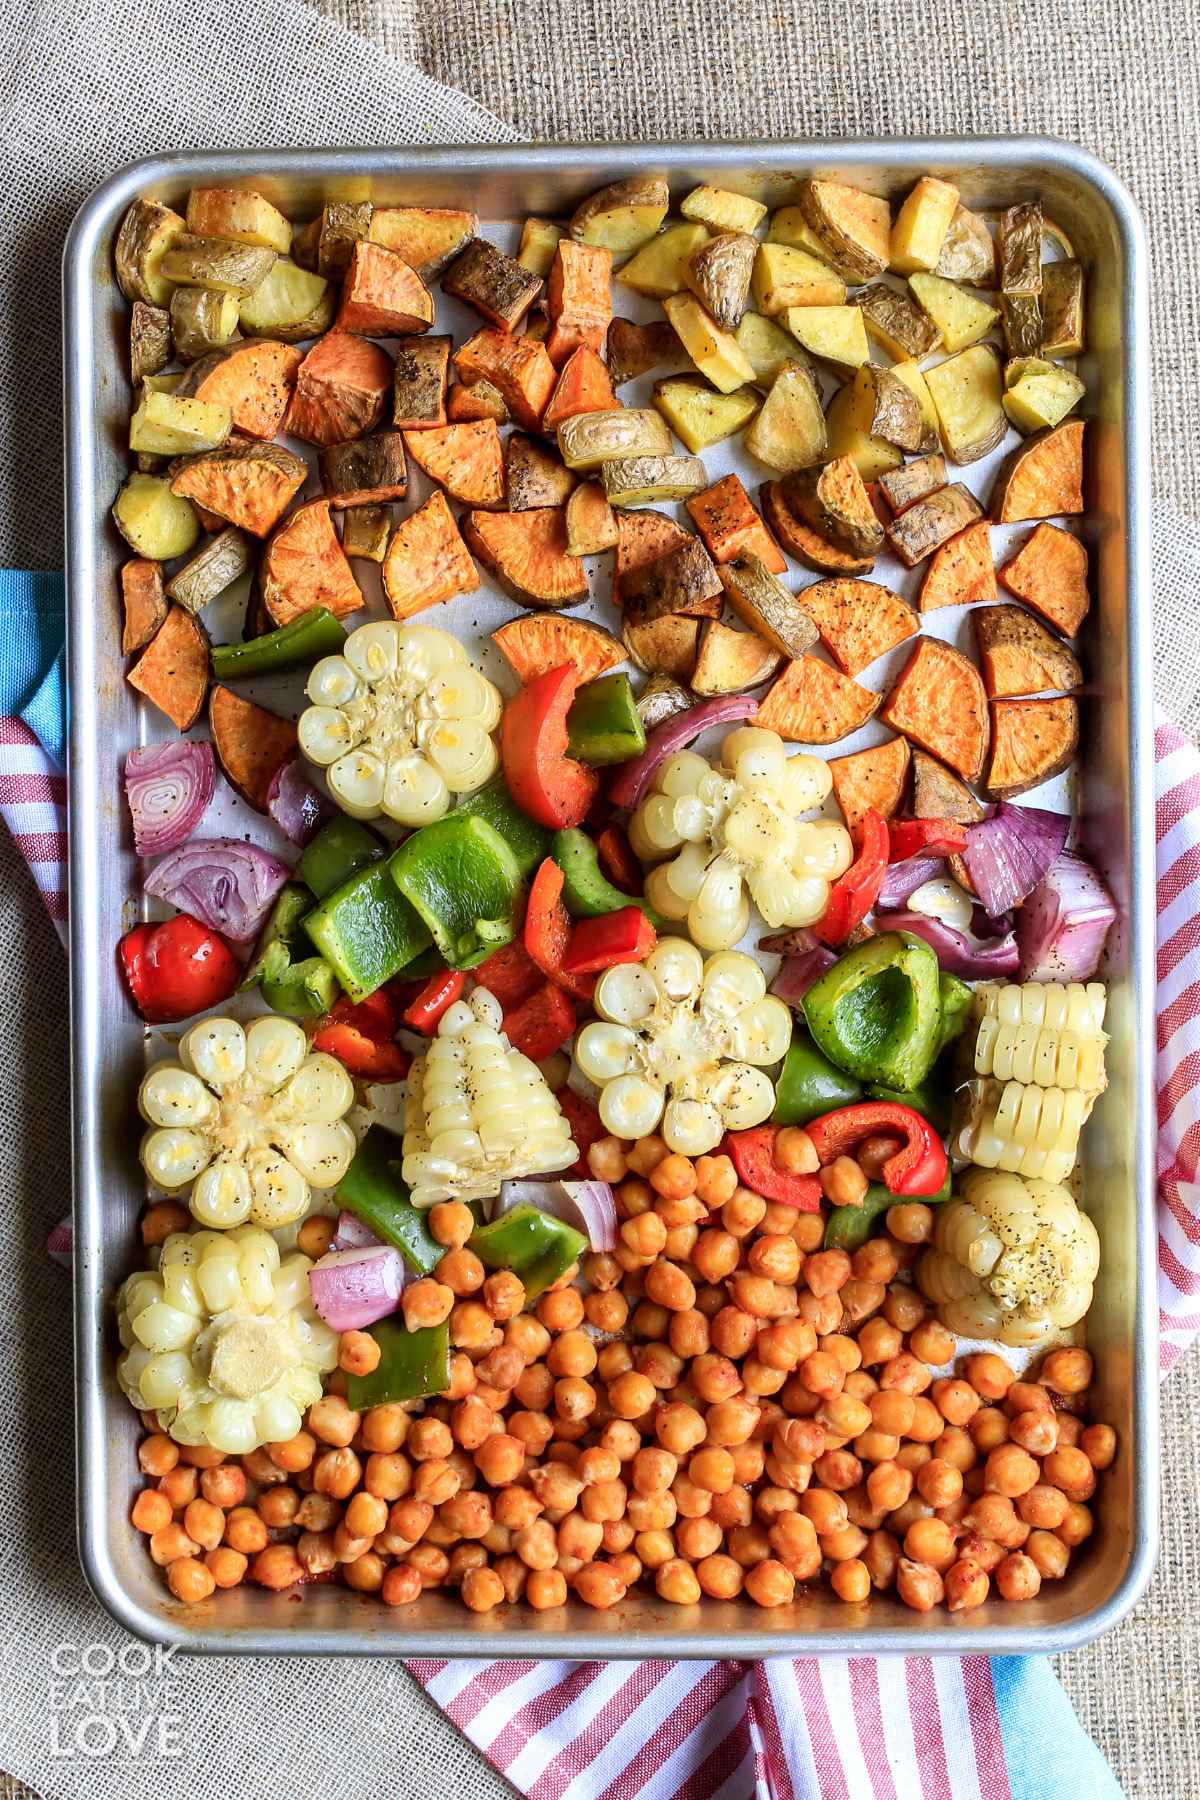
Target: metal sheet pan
(1117, 814)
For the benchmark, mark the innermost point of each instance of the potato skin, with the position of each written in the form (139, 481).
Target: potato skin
(149, 340)
(146, 232)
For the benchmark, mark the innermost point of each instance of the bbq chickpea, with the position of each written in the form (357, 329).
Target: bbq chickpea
(1036, 1432)
(1077, 1524)
(875, 1261)
(910, 1222)
(599, 1585)
(561, 1309)
(631, 1395)
(1098, 1443)
(1048, 1554)
(1018, 1577)
(720, 1577)
(676, 1581)
(932, 1343)
(743, 1212)
(776, 1257)
(546, 1588)
(770, 1584)
(1066, 1371)
(1068, 1468)
(918, 1585)
(878, 1342)
(503, 1295)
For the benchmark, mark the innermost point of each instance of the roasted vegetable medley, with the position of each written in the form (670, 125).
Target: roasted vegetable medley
(597, 1122)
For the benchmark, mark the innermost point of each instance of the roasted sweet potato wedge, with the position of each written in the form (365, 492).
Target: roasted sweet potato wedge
(870, 779)
(761, 601)
(812, 703)
(684, 580)
(835, 502)
(1019, 656)
(497, 287)
(526, 552)
(382, 296)
(249, 484)
(419, 388)
(641, 537)
(368, 471)
(805, 544)
(254, 380)
(518, 368)
(665, 646)
(961, 570)
(583, 386)
(251, 743)
(1032, 740)
(1043, 478)
(730, 661)
(427, 560)
(304, 566)
(578, 298)
(590, 520)
(912, 481)
(427, 237)
(341, 389)
(172, 671)
(636, 349)
(533, 475)
(924, 527)
(938, 702)
(858, 620)
(730, 527)
(481, 401)
(143, 601)
(467, 460)
(539, 641)
(937, 794)
(1050, 573)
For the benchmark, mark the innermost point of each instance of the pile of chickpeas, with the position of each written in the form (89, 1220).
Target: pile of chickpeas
(725, 1408)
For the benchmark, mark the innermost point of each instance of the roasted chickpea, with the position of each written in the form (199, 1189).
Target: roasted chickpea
(932, 1343)
(676, 1581)
(166, 1216)
(918, 1585)
(1036, 1432)
(889, 1486)
(878, 1342)
(277, 1566)
(860, 1299)
(1098, 1443)
(546, 1588)
(500, 1459)
(720, 1577)
(904, 1308)
(910, 1221)
(1017, 1577)
(994, 1516)
(1048, 1554)
(988, 1374)
(743, 1212)
(1066, 1371)
(905, 1372)
(892, 1411)
(769, 1583)
(777, 1257)
(332, 1421)
(1077, 1524)
(561, 1310)
(631, 1395)
(843, 1182)
(794, 1151)
(152, 1511)
(599, 1584)
(645, 1235)
(1068, 1468)
(875, 1261)
(826, 1271)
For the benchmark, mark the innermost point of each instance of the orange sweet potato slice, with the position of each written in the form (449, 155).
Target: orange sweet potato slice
(812, 703)
(247, 484)
(254, 380)
(578, 298)
(517, 367)
(961, 571)
(425, 236)
(802, 542)
(870, 779)
(540, 641)
(143, 601)
(427, 560)
(583, 386)
(1019, 656)
(635, 349)
(172, 672)
(937, 794)
(1032, 740)
(467, 460)
(938, 702)
(251, 742)
(665, 646)
(482, 401)
(381, 295)
(642, 537)
(1043, 478)
(857, 620)
(1050, 573)
(341, 389)
(834, 501)
(730, 527)
(304, 566)
(684, 580)
(527, 554)
(591, 522)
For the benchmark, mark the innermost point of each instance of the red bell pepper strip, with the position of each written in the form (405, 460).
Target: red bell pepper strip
(853, 894)
(541, 1024)
(548, 931)
(436, 996)
(618, 861)
(925, 837)
(510, 973)
(544, 781)
(586, 1130)
(360, 1036)
(753, 1154)
(626, 936)
(177, 968)
(919, 1164)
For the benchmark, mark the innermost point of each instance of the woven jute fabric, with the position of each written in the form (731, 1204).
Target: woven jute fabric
(85, 87)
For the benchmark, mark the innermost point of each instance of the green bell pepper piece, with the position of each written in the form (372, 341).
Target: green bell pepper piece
(930, 1098)
(313, 634)
(849, 1227)
(532, 1244)
(412, 1365)
(604, 725)
(375, 1192)
(299, 990)
(430, 962)
(877, 1012)
(809, 1084)
(587, 891)
(283, 922)
(956, 999)
(367, 930)
(336, 853)
(464, 881)
(528, 841)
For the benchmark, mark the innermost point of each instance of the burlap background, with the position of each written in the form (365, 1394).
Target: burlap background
(1120, 78)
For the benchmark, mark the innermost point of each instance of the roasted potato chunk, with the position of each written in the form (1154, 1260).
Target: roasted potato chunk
(1062, 308)
(540, 238)
(233, 213)
(636, 349)
(765, 345)
(641, 480)
(921, 225)
(784, 277)
(591, 439)
(202, 319)
(716, 353)
(658, 269)
(904, 486)
(172, 425)
(590, 520)
(730, 661)
(723, 210)
(622, 216)
(420, 382)
(718, 273)
(700, 417)
(856, 226)
(967, 390)
(835, 334)
(291, 304)
(967, 253)
(147, 232)
(368, 471)
(427, 237)
(497, 287)
(149, 340)
(926, 525)
(789, 432)
(1041, 395)
(682, 581)
(340, 225)
(1019, 246)
(216, 263)
(533, 475)
(961, 318)
(155, 521)
(214, 568)
(665, 646)
(761, 601)
(896, 322)
(833, 500)
(1022, 318)
(910, 374)
(365, 533)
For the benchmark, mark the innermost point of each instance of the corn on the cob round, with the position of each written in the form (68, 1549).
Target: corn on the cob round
(400, 721)
(222, 1342)
(1026, 1130)
(1040, 1055)
(1055, 1005)
(250, 1120)
(734, 833)
(478, 1112)
(680, 1046)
